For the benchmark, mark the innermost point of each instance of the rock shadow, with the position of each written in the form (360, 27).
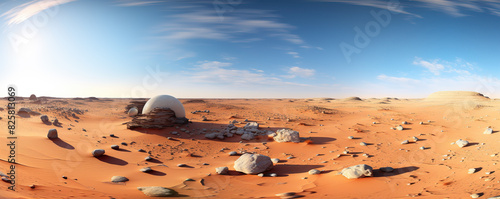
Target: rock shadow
(62, 143)
(112, 160)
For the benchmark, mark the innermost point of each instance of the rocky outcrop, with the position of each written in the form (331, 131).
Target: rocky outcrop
(158, 118)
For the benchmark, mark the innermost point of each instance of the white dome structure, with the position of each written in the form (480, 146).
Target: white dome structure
(165, 101)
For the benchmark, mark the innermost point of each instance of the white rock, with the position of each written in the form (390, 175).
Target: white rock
(222, 170)
(275, 160)
(357, 171)
(253, 163)
(133, 112)
(400, 128)
(119, 179)
(157, 191)
(285, 135)
(461, 143)
(471, 171)
(488, 131)
(314, 172)
(251, 125)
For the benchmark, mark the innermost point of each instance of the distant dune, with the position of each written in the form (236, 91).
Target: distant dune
(456, 95)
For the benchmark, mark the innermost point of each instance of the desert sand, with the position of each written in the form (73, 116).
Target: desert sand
(438, 170)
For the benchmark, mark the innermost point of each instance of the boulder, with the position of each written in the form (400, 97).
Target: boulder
(157, 191)
(251, 125)
(52, 134)
(45, 119)
(253, 163)
(400, 128)
(357, 171)
(222, 170)
(247, 136)
(146, 169)
(286, 135)
(119, 179)
(115, 147)
(314, 172)
(488, 130)
(98, 152)
(461, 143)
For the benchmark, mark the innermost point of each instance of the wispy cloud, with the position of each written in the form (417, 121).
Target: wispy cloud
(243, 26)
(393, 6)
(294, 54)
(136, 2)
(397, 79)
(216, 72)
(25, 11)
(296, 71)
(456, 8)
(437, 66)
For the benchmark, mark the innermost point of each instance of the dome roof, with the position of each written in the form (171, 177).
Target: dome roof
(165, 101)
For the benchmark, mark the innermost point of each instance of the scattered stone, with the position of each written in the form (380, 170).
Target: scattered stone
(275, 160)
(98, 152)
(404, 122)
(45, 119)
(471, 171)
(357, 171)
(124, 143)
(386, 169)
(174, 133)
(400, 128)
(287, 194)
(260, 175)
(488, 130)
(273, 174)
(32, 186)
(314, 172)
(247, 136)
(461, 143)
(222, 170)
(362, 144)
(475, 195)
(65, 177)
(415, 138)
(146, 169)
(422, 148)
(285, 135)
(189, 179)
(157, 191)
(141, 150)
(253, 163)
(251, 125)
(405, 142)
(119, 179)
(115, 147)
(233, 153)
(52, 134)
(148, 158)
(181, 165)
(350, 137)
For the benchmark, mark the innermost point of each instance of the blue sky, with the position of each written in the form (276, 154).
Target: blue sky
(250, 49)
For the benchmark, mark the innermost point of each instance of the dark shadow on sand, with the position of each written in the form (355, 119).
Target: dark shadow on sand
(62, 143)
(112, 160)
(397, 171)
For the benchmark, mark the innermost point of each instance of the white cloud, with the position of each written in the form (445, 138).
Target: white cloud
(456, 8)
(136, 2)
(294, 54)
(239, 27)
(397, 79)
(219, 73)
(438, 66)
(25, 11)
(433, 66)
(300, 72)
(380, 4)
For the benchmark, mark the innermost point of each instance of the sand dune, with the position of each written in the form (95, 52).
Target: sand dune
(430, 167)
(456, 95)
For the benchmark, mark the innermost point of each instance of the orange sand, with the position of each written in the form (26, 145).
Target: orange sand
(327, 122)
